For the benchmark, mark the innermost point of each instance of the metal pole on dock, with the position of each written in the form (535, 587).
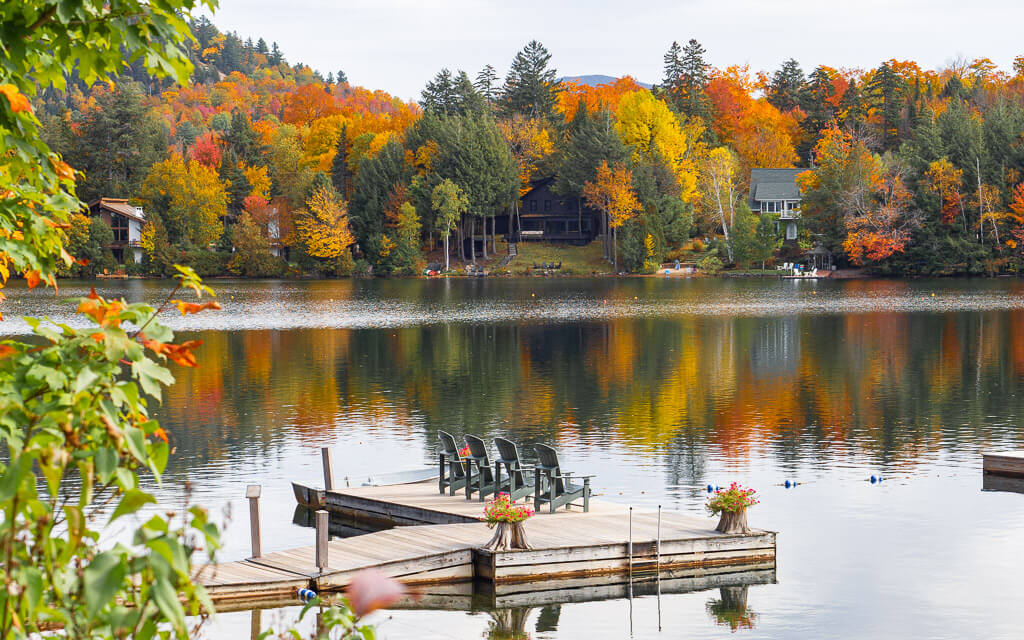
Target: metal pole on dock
(321, 539)
(658, 565)
(658, 545)
(328, 471)
(252, 492)
(631, 548)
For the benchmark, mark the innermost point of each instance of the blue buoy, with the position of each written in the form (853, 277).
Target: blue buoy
(787, 484)
(710, 488)
(718, 488)
(874, 479)
(306, 594)
(879, 478)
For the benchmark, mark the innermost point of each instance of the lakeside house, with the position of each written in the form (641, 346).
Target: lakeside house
(126, 221)
(548, 217)
(775, 191)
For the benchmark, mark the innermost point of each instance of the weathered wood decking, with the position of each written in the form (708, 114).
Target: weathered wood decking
(438, 543)
(1004, 463)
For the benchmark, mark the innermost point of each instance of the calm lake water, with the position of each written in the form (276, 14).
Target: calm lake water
(659, 387)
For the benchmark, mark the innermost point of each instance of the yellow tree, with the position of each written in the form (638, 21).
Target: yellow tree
(189, 197)
(649, 126)
(323, 227)
(718, 186)
(611, 192)
(945, 180)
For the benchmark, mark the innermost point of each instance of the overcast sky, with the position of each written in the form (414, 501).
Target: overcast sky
(397, 45)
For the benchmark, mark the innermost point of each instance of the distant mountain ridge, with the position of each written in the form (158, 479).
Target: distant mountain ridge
(596, 79)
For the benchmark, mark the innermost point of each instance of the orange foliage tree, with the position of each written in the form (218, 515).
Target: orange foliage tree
(611, 192)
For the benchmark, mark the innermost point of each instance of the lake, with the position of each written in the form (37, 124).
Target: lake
(658, 386)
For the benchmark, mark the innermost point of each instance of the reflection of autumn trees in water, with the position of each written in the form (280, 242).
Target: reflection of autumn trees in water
(887, 385)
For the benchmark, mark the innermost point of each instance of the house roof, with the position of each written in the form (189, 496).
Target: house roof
(119, 205)
(773, 184)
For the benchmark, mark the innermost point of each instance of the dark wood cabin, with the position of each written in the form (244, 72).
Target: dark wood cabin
(545, 216)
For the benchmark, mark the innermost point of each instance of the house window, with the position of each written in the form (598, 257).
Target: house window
(547, 205)
(574, 226)
(119, 225)
(533, 205)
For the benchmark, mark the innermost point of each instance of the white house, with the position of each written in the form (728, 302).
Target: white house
(126, 221)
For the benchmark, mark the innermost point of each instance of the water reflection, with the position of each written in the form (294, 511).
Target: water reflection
(660, 388)
(730, 609)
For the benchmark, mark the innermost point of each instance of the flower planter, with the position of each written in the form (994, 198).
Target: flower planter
(507, 537)
(733, 522)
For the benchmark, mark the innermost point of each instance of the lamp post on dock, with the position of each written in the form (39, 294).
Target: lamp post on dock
(252, 492)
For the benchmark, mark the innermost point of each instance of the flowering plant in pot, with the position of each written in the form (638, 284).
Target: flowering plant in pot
(507, 520)
(731, 504)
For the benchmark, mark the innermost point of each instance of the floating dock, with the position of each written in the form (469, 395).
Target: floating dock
(1006, 463)
(436, 540)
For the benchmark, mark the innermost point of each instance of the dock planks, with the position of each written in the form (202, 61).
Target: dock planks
(1003, 463)
(438, 538)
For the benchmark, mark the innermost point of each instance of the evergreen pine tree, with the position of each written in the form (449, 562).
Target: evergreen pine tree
(339, 166)
(487, 84)
(886, 91)
(439, 94)
(787, 86)
(530, 85)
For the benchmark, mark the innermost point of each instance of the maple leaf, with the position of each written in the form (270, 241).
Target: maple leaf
(17, 99)
(193, 307)
(33, 279)
(105, 314)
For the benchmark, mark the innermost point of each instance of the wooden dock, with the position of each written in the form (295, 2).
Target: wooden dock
(438, 538)
(1005, 463)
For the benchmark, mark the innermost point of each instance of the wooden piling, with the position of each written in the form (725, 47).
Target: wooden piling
(321, 539)
(328, 470)
(252, 492)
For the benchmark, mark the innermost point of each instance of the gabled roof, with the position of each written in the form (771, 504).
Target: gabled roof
(773, 184)
(119, 205)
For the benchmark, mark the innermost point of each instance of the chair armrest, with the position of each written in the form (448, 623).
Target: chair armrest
(572, 477)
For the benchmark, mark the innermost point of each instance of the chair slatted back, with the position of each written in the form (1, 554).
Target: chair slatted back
(451, 451)
(509, 453)
(547, 460)
(478, 451)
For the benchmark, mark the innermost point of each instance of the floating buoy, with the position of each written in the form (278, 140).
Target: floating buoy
(787, 484)
(718, 488)
(306, 594)
(710, 488)
(874, 479)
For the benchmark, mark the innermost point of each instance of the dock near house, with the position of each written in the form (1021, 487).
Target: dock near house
(434, 541)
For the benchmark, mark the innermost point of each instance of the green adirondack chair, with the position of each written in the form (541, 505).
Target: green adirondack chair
(520, 483)
(554, 486)
(454, 471)
(482, 483)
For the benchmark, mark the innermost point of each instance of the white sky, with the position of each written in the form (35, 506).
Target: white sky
(397, 45)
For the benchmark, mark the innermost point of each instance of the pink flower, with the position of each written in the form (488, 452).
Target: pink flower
(370, 590)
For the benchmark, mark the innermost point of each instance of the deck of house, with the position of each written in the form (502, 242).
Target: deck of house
(435, 540)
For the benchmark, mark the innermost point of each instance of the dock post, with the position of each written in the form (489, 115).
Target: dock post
(321, 539)
(252, 492)
(328, 471)
(255, 624)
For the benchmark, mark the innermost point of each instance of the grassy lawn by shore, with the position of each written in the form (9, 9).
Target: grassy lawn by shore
(585, 260)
